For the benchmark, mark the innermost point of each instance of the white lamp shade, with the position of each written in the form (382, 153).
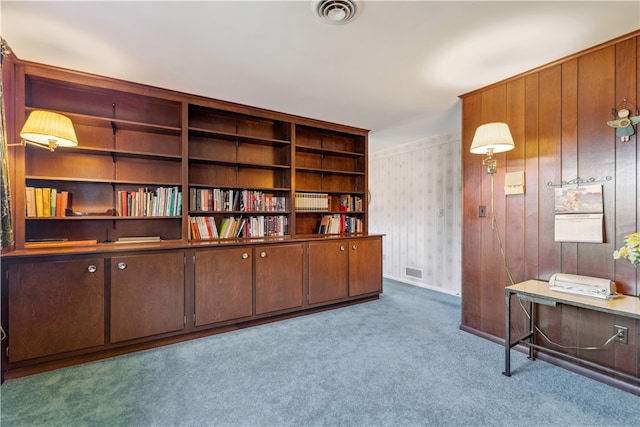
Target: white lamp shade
(494, 136)
(46, 127)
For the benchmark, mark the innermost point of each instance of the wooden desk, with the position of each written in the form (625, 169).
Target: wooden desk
(537, 292)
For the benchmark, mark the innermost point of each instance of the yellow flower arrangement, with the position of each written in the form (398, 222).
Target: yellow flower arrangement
(630, 250)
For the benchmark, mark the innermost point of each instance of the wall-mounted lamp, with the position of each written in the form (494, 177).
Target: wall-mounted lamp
(50, 130)
(489, 139)
(493, 138)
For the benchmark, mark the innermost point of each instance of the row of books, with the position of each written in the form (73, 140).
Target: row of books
(349, 203)
(206, 228)
(46, 202)
(229, 200)
(340, 223)
(312, 202)
(162, 201)
(321, 202)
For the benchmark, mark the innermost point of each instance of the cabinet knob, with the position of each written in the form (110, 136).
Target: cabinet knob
(263, 254)
(245, 255)
(92, 268)
(354, 247)
(122, 265)
(342, 247)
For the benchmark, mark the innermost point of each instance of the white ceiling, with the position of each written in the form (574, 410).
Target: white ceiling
(397, 69)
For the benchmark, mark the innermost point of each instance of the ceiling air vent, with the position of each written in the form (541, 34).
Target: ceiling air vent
(336, 12)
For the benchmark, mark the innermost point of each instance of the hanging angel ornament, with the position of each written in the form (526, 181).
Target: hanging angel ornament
(623, 124)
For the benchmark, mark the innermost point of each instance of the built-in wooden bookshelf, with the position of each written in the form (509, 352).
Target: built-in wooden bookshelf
(129, 142)
(330, 163)
(139, 259)
(247, 159)
(136, 142)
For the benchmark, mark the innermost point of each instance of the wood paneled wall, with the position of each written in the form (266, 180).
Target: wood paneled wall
(558, 116)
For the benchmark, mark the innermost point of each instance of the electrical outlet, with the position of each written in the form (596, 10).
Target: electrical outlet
(482, 211)
(621, 334)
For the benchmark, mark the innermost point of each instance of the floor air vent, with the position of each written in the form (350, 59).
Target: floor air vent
(413, 272)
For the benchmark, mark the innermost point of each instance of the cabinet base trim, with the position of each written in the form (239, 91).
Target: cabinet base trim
(25, 370)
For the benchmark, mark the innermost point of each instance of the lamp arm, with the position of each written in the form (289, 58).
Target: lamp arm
(490, 162)
(51, 147)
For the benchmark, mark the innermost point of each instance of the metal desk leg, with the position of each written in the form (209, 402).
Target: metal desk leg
(532, 328)
(507, 334)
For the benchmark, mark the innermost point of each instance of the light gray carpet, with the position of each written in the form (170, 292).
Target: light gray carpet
(398, 361)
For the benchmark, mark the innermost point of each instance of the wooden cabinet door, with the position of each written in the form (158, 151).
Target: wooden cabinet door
(365, 266)
(55, 307)
(223, 285)
(278, 271)
(328, 263)
(147, 295)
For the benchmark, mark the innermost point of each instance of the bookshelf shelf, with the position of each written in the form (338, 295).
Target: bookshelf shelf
(273, 189)
(238, 164)
(115, 124)
(330, 171)
(122, 153)
(92, 217)
(239, 212)
(238, 138)
(308, 149)
(104, 181)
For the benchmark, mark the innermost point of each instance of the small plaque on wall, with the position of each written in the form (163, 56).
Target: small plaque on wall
(514, 183)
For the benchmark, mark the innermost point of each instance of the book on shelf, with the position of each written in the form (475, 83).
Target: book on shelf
(207, 227)
(39, 202)
(138, 239)
(47, 240)
(60, 211)
(52, 243)
(30, 201)
(236, 201)
(231, 200)
(212, 232)
(225, 225)
(350, 203)
(332, 224)
(240, 230)
(67, 202)
(163, 201)
(53, 202)
(339, 223)
(312, 202)
(324, 224)
(46, 202)
(204, 227)
(255, 201)
(194, 233)
(265, 226)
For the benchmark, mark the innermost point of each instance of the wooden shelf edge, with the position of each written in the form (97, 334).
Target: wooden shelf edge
(238, 137)
(320, 150)
(114, 122)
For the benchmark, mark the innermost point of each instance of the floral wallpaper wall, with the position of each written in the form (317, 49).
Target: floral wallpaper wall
(416, 201)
